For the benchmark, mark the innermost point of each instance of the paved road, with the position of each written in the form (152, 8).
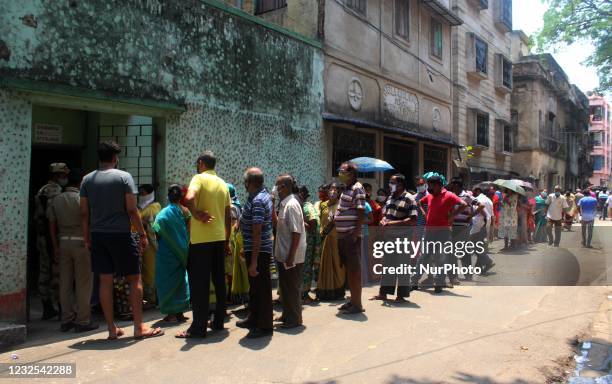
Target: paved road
(471, 334)
(569, 264)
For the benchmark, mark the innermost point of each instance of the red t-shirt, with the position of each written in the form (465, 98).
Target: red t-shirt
(439, 208)
(376, 212)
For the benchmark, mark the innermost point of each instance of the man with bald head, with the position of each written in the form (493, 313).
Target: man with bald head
(256, 226)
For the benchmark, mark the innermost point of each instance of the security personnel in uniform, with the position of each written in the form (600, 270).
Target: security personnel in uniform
(47, 275)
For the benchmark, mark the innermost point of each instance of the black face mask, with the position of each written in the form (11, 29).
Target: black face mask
(430, 190)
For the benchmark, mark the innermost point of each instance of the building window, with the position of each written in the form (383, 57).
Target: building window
(503, 15)
(481, 49)
(596, 139)
(506, 15)
(349, 144)
(436, 38)
(507, 138)
(357, 5)
(435, 159)
(506, 73)
(598, 162)
(482, 129)
(596, 112)
(263, 6)
(402, 18)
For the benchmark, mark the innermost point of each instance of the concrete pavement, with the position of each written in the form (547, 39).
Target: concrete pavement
(470, 334)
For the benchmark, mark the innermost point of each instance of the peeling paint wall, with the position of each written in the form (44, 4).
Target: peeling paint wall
(15, 143)
(253, 94)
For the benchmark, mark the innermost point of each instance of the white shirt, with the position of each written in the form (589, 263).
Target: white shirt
(556, 205)
(478, 221)
(290, 221)
(609, 201)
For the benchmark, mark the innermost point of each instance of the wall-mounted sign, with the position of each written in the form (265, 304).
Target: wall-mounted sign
(47, 133)
(400, 104)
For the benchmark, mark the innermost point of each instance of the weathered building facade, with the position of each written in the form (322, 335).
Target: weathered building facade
(166, 79)
(387, 78)
(600, 131)
(551, 116)
(482, 74)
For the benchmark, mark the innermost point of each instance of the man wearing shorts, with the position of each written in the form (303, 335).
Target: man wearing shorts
(108, 210)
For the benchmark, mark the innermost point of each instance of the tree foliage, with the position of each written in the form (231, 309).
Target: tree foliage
(568, 21)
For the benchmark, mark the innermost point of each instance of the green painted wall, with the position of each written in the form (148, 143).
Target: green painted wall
(73, 123)
(252, 92)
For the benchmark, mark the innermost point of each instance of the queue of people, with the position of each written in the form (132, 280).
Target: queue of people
(205, 250)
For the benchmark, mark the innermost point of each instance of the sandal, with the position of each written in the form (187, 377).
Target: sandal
(400, 299)
(352, 310)
(345, 306)
(152, 332)
(170, 319)
(187, 334)
(181, 318)
(118, 333)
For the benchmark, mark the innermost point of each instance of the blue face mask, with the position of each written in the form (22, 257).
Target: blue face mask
(544, 195)
(557, 194)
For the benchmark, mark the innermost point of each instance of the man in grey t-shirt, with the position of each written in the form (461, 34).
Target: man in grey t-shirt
(108, 211)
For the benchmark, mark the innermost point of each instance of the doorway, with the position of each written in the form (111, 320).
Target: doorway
(404, 157)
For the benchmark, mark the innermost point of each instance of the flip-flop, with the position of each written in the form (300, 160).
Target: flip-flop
(153, 332)
(345, 306)
(120, 332)
(188, 335)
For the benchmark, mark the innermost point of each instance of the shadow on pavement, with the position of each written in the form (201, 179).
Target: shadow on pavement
(290, 331)
(405, 304)
(361, 317)
(211, 338)
(104, 344)
(255, 344)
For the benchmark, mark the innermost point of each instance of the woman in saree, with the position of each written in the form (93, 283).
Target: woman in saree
(148, 209)
(171, 260)
(332, 273)
(238, 273)
(539, 214)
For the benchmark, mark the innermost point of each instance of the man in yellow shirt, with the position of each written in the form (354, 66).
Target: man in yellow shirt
(209, 202)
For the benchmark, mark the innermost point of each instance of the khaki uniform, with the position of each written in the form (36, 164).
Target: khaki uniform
(47, 275)
(74, 258)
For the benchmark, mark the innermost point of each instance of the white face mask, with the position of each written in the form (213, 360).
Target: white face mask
(275, 193)
(381, 199)
(421, 188)
(145, 200)
(393, 188)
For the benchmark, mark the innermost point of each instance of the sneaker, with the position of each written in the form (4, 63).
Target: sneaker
(85, 327)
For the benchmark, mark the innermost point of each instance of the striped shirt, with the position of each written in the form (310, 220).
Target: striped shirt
(257, 210)
(351, 200)
(421, 217)
(400, 208)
